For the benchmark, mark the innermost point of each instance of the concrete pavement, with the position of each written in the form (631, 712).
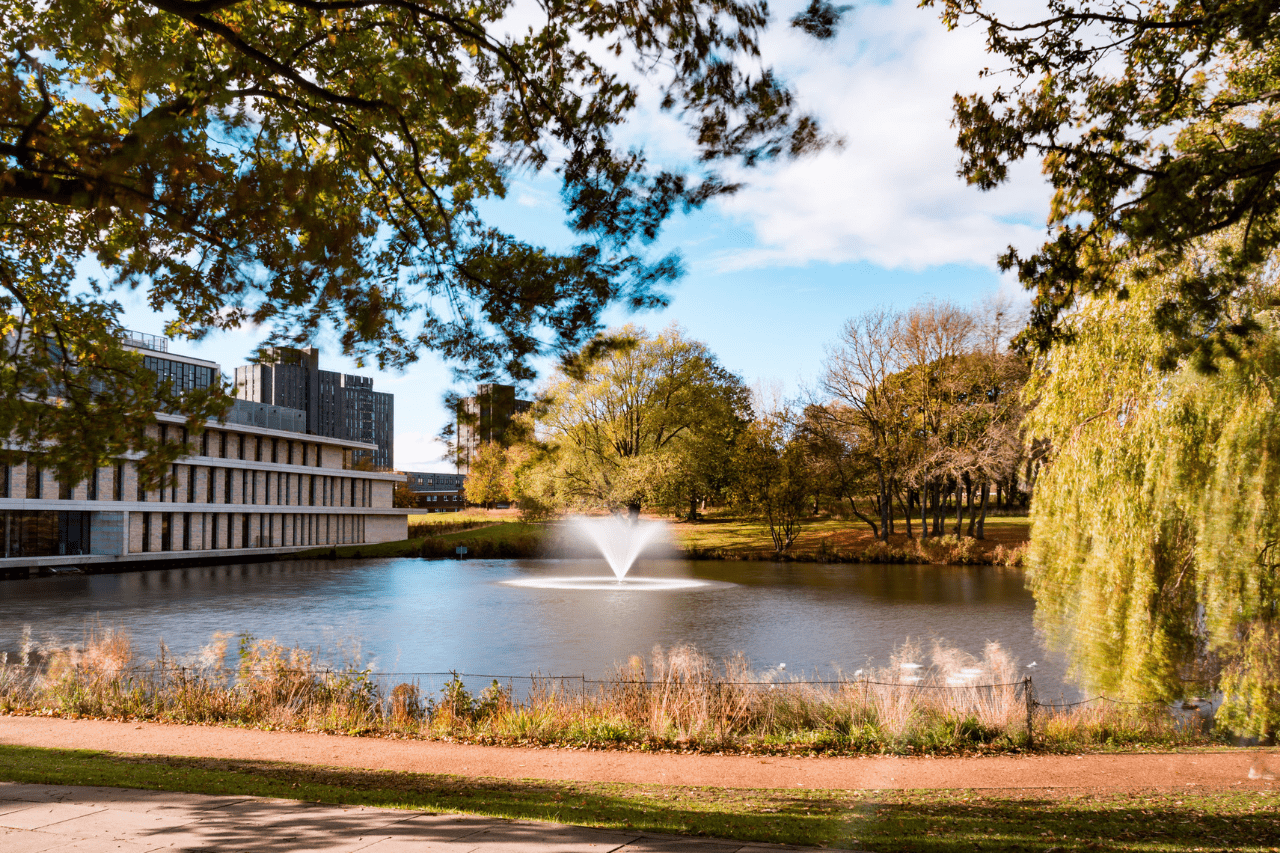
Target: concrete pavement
(40, 818)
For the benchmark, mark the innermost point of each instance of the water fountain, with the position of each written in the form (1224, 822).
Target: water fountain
(620, 541)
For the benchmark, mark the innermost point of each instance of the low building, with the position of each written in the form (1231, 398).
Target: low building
(256, 484)
(437, 492)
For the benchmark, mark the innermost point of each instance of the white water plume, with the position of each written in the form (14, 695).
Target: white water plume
(620, 540)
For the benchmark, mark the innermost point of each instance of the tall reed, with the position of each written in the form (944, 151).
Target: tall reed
(940, 702)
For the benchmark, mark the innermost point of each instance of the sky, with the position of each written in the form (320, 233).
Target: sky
(774, 271)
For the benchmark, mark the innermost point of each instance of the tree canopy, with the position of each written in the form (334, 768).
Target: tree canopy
(1155, 525)
(640, 422)
(1156, 124)
(311, 164)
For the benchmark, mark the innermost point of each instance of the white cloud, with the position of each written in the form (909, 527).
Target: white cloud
(891, 196)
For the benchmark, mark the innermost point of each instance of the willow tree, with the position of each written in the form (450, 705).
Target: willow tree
(1155, 527)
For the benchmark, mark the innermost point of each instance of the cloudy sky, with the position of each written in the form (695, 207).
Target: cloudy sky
(774, 271)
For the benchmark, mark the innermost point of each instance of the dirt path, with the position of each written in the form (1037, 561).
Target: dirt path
(1217, 770)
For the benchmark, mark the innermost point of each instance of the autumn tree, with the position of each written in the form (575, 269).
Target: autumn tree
(632, 421)
(307, 166)
(1156, 124)
(489, 477)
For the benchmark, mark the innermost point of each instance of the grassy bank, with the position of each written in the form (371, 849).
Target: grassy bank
(680, 699)
(822, 540)
(832, 540)
(881, 821)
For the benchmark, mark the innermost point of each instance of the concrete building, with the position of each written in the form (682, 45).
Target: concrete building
(485, 417)
(337, 405)
(254, 485)
(437, 492)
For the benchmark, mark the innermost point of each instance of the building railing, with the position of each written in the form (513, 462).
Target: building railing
(144, 340)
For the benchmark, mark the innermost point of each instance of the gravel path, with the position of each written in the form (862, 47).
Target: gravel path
(1228, 769)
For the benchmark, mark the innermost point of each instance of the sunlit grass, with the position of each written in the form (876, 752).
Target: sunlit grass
(947, 821)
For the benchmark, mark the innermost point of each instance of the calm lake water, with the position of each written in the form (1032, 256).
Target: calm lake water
(416, 616)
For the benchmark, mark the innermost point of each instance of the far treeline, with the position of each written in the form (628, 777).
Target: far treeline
(915, 428)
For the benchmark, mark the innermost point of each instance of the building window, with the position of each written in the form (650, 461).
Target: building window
(191, 484)
(91, 492)
(117, 485)
(186, 531)
(226, 492)
(142, 492)
(146, 531)
(66, 490)
(166, 531)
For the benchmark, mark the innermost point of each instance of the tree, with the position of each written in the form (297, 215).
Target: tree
(921, 405)
(402, 496)
(489, 477)
(628, 420)
(1157, 125)
(772, 481)
(1154, 525)
(308, 164)
(868, 409)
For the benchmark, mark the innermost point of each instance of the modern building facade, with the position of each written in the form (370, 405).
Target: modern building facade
(485, 417)
(437, 492)
(255, 484)
(337, 405)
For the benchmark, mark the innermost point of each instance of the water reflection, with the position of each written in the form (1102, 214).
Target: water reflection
(433, 616)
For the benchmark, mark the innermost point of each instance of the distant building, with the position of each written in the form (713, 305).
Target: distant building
(437, 492)
(337, 405)
(484, 418)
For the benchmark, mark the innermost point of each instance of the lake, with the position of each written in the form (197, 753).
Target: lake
(431, 616)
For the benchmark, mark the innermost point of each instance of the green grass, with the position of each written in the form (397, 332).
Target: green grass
(827, 539)
(505, 531)
(505, 538)
(888, 821)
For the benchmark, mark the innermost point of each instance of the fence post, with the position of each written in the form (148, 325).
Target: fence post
(1029, 693)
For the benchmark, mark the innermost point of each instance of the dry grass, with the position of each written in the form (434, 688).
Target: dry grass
(942, 702)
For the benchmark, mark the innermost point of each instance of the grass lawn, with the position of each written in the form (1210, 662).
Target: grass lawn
(933, 821)
(739, 537)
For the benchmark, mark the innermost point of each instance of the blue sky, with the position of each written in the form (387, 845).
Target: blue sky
(774, 271)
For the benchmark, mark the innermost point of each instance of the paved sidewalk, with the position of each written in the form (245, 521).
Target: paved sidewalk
(38, 818)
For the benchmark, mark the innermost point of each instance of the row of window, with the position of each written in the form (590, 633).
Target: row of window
(48, 533)
(206, 484)
(199, 531)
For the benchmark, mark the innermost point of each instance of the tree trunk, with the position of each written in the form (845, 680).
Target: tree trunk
(959, 506)
(875, 529)
(924, 512)
(906, 510)
(982, 512)
(883, 506)
(693, 506)
(970, 487)
(937, 508)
